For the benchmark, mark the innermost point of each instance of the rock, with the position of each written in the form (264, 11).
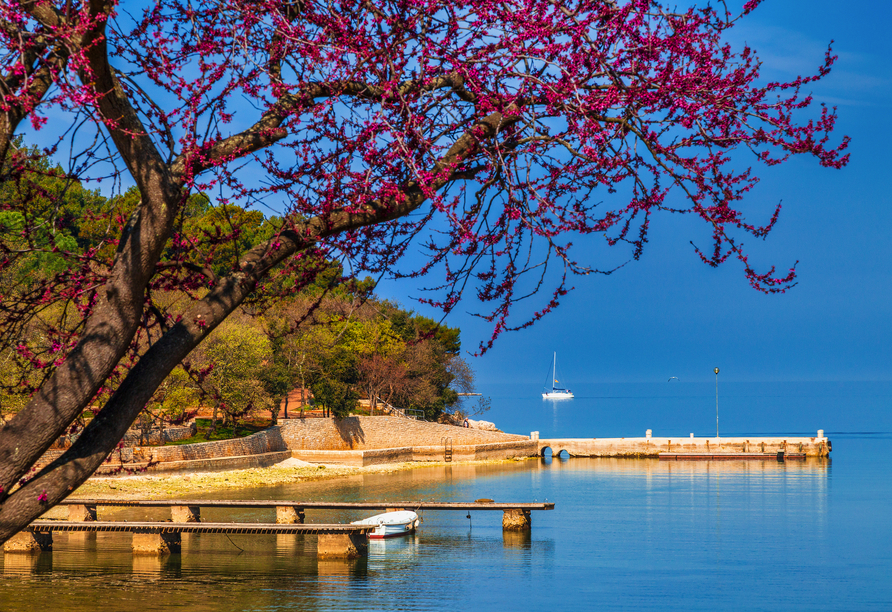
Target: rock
(484, 425)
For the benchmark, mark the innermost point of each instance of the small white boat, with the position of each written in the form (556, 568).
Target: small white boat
(556, 392)
(391, 524)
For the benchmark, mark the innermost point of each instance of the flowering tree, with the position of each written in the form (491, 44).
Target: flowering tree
(492, 134)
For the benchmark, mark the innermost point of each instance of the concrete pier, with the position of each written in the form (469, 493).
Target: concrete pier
(647, 446)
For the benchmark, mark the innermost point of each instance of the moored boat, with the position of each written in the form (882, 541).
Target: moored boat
(391, 524)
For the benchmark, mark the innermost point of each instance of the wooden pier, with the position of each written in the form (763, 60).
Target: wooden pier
(165, 537)
(515, 516)
(160, 538)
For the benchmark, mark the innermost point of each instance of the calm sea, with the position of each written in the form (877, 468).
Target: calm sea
(625, 534)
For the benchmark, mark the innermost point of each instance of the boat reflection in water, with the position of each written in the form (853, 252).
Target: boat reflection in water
(394, 549)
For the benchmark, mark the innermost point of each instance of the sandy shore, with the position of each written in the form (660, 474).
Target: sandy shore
(166, 486)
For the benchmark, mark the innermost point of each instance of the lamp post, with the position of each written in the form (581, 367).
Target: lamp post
(716, 403)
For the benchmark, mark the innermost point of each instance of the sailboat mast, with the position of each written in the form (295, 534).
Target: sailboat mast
(553, 371)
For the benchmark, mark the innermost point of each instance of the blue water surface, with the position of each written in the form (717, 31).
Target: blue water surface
(626, 534)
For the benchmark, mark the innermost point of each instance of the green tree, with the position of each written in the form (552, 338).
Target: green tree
(225, 233)
(234, 357)
(334, 395)
(175, 401)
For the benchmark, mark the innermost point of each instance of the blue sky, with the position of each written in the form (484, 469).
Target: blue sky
(670, 315)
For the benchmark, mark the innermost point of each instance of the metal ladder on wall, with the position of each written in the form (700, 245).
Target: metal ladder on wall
(447, 449)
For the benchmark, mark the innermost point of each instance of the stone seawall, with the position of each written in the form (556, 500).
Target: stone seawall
(216, 464)
(267, 441)
(263, 442)
(383, 439)
(472, 452)
(133, 437)
(818, 446)
(155, 437)
(379, 432)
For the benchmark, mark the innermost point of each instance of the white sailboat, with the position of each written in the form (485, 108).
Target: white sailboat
(556, 392)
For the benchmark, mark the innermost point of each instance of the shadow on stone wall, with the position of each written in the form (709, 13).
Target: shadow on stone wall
(274, 439)
(350, 430)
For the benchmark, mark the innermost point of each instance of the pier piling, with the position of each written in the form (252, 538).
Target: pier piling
(289, 515)
(164, 543)
(28, 542)
(342, 546)
(81, 512)
(185, 514)
(516, 519)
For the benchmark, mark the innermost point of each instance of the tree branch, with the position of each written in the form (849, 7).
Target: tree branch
(268, 130)
(102, 434)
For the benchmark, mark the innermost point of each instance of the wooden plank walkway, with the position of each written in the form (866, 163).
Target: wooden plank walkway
(321, 505)
(164, 537)
(48, 526)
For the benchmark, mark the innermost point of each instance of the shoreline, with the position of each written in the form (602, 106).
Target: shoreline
(151, 486)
